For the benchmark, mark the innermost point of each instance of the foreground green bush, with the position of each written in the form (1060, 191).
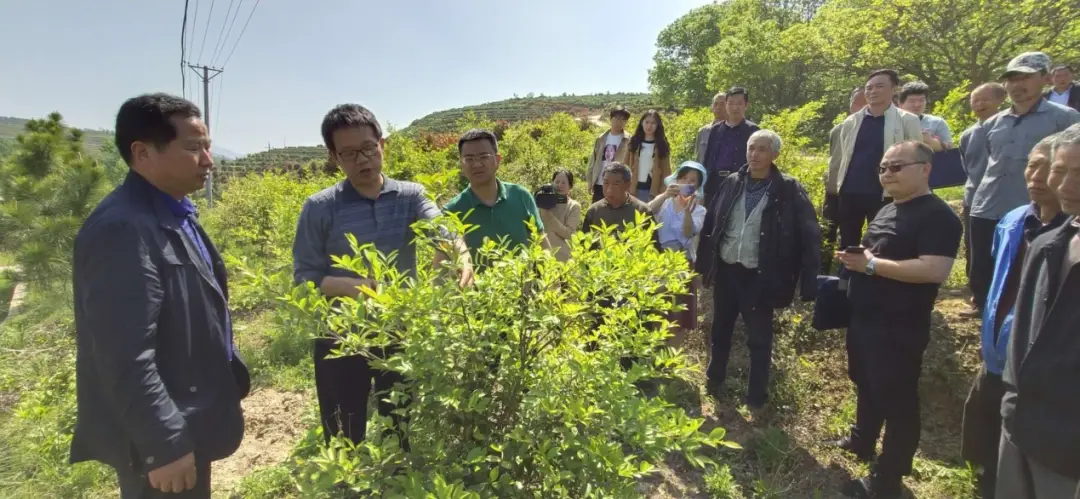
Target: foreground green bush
(514, 385)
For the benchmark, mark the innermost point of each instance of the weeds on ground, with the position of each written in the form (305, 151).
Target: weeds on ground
(37, 407)
(721, 485)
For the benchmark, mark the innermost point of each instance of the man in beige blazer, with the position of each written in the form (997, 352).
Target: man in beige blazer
(863, 139)
(610, 147)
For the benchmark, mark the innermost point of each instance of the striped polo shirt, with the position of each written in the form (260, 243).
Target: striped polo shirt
(385, 221)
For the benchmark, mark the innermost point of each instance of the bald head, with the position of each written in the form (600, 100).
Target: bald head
(987, 99)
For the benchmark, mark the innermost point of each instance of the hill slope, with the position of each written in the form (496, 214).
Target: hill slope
(278, 157)
(12, 127)
(528, 108)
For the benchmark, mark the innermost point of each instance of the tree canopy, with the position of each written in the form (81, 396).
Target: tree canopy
(790, 52)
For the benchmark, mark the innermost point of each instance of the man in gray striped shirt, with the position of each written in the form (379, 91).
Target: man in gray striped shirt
(375, 209)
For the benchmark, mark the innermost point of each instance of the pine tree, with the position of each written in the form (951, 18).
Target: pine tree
(48, 186)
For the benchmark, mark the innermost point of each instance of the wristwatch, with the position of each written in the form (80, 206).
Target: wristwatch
(870, 266)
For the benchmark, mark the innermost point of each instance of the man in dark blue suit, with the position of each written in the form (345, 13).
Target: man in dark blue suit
(158, 380)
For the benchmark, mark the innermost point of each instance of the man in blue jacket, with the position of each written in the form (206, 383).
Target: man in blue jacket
(158, 382)
(982, 411)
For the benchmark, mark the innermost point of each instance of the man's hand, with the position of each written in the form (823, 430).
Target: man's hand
(176, 476)
(467, 274)
(855, 262)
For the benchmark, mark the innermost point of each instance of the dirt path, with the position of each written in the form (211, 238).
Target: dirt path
(273, 424)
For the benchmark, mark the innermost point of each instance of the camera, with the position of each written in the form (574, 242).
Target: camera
(547, 198)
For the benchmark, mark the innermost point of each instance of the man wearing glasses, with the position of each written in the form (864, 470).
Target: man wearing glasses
(906, 254)
(375, 209)
(499, 210)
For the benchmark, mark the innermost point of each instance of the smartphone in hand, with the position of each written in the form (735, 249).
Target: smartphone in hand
(687, 190)
(855, 250)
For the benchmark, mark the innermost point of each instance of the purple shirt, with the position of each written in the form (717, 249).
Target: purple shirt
(726, 152)
(184, 211)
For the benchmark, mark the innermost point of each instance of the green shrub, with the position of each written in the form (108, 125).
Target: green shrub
(796, 158)
(253, 225)
(682, 129)
(721, 485)
(514, 389)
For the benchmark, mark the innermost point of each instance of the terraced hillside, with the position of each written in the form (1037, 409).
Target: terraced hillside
(278, 157)
(528, 108)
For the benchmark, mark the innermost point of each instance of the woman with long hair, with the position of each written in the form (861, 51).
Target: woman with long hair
(562, 221)
(650, 157)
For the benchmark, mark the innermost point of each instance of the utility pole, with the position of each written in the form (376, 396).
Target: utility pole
(207, 74)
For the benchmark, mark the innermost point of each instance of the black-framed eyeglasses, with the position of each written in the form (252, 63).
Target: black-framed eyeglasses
(479, 158)
(895, 168)
(352, 155)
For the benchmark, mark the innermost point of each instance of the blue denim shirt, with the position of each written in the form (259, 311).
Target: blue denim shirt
(1022, 222)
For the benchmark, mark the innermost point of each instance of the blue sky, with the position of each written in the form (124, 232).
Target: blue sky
(298, 58)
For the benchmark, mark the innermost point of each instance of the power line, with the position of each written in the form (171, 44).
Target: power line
(183, 33)
(209, 16)
(220, 39)
(225, 41)
(194, 26)
(241, 36)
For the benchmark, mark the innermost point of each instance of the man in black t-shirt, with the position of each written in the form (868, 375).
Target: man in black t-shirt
(908, 251)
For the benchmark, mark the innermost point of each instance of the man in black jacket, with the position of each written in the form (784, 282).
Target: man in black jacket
(760, 237)
(158, 380)
(1063, 89)
(1039, 456)
(907, 252)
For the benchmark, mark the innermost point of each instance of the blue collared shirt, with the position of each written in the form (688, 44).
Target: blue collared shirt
(1018, 227)
(1010, 138)
(184, 211)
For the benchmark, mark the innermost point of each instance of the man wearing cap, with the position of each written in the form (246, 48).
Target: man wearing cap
(1011, 134)
(610, 147)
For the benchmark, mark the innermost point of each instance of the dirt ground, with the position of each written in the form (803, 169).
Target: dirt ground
(272, 426)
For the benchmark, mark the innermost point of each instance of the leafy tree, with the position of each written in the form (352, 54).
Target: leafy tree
(515, 386)
(945, 43)
(48, 186)
(682, 132)
(682, 62)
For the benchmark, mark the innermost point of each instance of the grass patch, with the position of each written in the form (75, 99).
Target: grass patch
(277, 349)
(951, 193)
(37, 406)
(721, 485)
(275, 482)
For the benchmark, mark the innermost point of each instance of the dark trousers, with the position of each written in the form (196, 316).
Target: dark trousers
(884, 362)
(342, 386)
(966, 215)
(135, 484)
(982, 258)
(832, 230)
(597, 193)
(737, 291)
(981, 434)
(856, 210)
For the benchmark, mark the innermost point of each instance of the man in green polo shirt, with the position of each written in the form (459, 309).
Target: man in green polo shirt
(499, 210)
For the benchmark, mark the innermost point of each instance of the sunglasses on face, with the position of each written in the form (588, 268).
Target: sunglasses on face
(896, 167)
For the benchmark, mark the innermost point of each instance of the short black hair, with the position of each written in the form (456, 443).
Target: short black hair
(914, 88)
(348, 116)
(1059, 67)
(617, 110)
(894, 77)
(616, 167)
(738, 91)
(563, 171)
(147, 118)
(478, 134)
